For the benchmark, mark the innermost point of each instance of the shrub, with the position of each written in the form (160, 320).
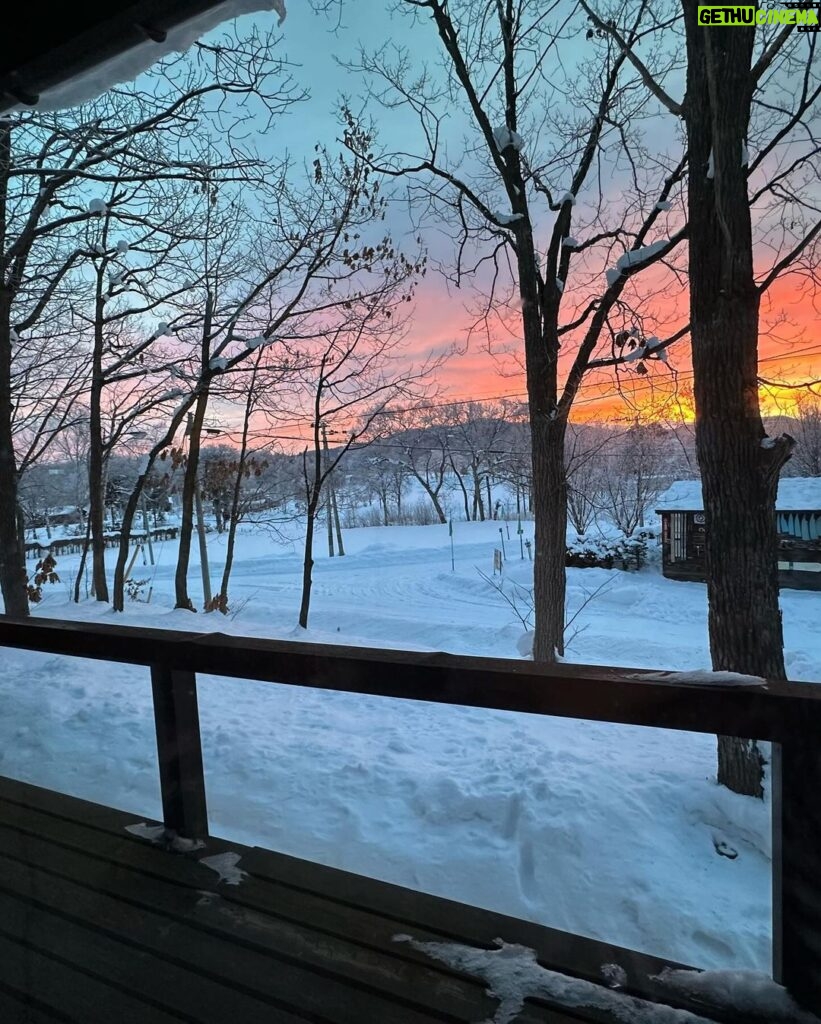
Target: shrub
(615, 550)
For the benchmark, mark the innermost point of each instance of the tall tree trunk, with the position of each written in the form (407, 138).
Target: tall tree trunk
(434, 497)
(236, 495)
(462, 488)
(307, 565)
(329, 512)
(478, 503)
(547, 441)
(550, 514)
(96, 490)
(12, 556)
(205, 569)
(739, 476)
(129, 512)
(131, 505)
(83, 559)
(337, 525)
(189, 488)
(189, 484)
(96, 445)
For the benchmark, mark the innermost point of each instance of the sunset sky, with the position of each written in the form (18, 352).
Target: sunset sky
(790, 347)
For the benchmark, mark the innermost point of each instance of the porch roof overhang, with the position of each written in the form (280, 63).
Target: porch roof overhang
(58, 56)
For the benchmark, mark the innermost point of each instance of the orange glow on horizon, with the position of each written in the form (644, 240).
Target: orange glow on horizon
(789, 352)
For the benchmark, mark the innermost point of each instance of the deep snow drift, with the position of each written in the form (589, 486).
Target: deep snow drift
(610, 831)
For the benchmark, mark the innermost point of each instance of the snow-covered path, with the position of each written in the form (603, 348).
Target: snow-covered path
(599, 829)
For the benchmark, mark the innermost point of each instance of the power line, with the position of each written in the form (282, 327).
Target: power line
(637, 386)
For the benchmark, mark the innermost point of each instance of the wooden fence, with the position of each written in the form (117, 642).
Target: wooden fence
(74, 545)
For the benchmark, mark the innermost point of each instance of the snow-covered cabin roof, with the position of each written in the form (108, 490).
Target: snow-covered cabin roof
(795, 494)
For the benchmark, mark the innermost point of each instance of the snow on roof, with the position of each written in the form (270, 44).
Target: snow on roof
(125, 67)
(795, 493)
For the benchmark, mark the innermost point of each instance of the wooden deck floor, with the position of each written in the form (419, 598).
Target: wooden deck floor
(99, 925)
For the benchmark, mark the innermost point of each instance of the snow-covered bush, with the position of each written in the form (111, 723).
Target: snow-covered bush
(615, 550)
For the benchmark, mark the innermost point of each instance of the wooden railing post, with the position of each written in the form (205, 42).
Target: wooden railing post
(796, 810)
(179, 751)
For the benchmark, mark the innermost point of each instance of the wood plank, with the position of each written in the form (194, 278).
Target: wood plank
(74, 994)
(131, 969)
(14, 1010)
(338, 902)
(627, 696)
(561, 951)
(257, 892)
(258, 904)
(367, 910)
(432, 984)
(61, 880)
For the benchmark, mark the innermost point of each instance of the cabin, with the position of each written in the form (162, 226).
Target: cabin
(798, 519)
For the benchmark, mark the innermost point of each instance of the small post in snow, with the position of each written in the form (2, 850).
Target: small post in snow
(502, 542)
(452, 559)
(520, 531)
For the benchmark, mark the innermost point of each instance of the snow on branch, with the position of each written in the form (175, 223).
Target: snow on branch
(504, 137)
(635, 257)
(505, 219)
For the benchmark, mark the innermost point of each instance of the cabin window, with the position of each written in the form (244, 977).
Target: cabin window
(678, 537)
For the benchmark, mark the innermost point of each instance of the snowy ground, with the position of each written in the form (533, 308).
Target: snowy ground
(604, 830)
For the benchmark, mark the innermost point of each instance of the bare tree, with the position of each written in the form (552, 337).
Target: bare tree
(422, 447)
(350, 375)
(586, 448)
(477, 433)
(635, 474)
(50, 167)
(751, 115)
(524, 196)
(233, 474)
(806, 427)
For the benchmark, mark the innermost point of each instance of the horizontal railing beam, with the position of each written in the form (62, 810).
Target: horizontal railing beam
(776, 711)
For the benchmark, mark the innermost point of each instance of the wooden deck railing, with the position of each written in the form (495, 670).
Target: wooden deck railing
(787, 714)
